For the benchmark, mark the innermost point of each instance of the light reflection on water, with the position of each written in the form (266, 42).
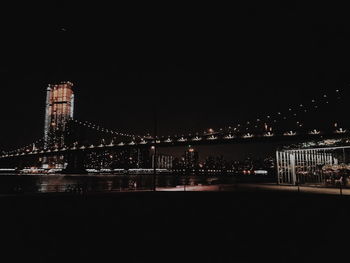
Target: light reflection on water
(97, 183)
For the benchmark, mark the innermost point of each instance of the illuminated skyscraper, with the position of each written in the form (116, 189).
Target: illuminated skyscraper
(59, 109)
(191, 158)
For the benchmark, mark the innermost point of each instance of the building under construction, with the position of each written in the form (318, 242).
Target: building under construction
(59, 110)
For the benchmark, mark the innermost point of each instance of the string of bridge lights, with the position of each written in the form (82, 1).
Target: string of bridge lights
(83, 123)
(267, 122)
(105, 130)
(24, 148)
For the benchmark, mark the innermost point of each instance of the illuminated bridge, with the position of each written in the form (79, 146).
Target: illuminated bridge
(61, 134)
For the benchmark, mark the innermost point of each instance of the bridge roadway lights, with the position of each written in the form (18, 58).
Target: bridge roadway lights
(291, 135)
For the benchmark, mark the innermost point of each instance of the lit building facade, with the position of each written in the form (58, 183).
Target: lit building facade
(59, 109)
(191, 158)
(163, 161)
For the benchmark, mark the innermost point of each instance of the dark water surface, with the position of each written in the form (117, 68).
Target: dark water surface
(48, 183)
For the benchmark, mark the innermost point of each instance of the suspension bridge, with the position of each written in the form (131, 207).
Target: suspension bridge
(268, 128)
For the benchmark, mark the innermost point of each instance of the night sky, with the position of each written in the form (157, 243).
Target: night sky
(202, 66)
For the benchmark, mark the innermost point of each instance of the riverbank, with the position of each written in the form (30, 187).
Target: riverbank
(257, 187)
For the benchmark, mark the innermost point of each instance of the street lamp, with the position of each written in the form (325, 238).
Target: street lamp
(155, 149)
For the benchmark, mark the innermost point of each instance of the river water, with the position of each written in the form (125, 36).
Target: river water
(49, 183)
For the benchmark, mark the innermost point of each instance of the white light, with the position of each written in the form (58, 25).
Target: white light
(268, 134)
(248, 135)
(340, 130)
(290, 133)
(315, 132)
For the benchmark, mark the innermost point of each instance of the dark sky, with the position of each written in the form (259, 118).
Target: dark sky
(202, 65)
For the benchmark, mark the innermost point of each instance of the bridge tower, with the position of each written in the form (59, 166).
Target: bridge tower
(59, 109)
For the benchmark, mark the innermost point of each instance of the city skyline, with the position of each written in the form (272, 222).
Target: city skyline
(239, 76)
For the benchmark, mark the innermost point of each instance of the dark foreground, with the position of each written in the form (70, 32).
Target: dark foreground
(174, 227)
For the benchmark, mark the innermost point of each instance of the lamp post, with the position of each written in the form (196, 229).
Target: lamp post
(155, 148)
